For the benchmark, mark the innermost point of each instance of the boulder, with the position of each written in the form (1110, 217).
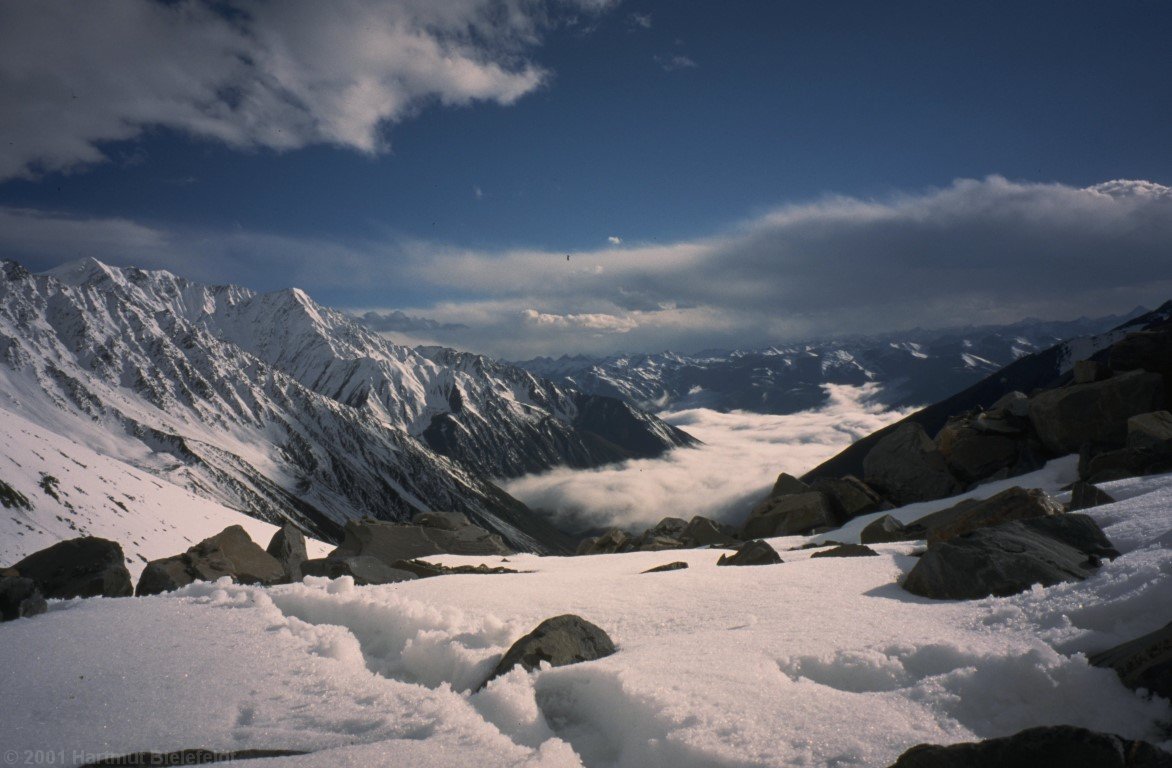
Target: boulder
(884, 529)
(364, 569)
(1051, 746)
(614, 540)
(1011, 504)
(703, 532)
(1145, 662)
(789, 515)
(1015, 404)
(974, 453)
(1149, 430)
(1090, 371)
(1067, 417)
(906, 467)
(650, 542)
(849, 496)
(562, 640)
(84, 567)
(425, 570)
(288, 547)
(396, 541)
(678, 565)
(1010, 558)
(19, 597)
(231, 552)
(1127, 462)
(787, 484)
(846, 550)
(1084, 495)
(1144, 351)
(755, 552)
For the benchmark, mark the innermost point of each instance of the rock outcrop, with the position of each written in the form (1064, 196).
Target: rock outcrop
(231, 552)
(83, 567)
(1067, 417)
(790, 514)
(906, 467)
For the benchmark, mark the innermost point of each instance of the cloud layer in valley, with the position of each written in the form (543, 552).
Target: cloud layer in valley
(738, 463)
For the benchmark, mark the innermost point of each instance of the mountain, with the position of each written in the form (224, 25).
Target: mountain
(910, 368)
(276, 406)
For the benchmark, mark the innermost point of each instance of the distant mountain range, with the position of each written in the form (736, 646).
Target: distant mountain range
(909, 368)
(276, 406)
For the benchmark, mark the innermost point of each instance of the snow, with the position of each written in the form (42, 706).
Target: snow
(811, 662)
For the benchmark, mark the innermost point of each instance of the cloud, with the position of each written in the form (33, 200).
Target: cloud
(399, 322)
(599, 323)
(741, 457)
(642, 20)
(675, 63)
(614, 240)
(250, 73)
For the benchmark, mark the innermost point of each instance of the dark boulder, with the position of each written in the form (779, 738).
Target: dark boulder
(1090, 371)
(1084, 495)
(678, 565)
(614, 540)
(1145, 662)
(1144, 351)
(1105, 466)
(231, 552)
(703, 532)
(789, 515)
(755, 552)
(288, 547)
(1067, 417)
(974, 454)
(1148, 430)
(395, 541)
(84, 567)
(1011, 504)
(846, 550)
(849, 496)
(1010, 558)
(886, 529)
(562, 640)
(1054, 746)
(906, 467)
(364, 569)
(787, 484)
(19, 597)
(426, 570)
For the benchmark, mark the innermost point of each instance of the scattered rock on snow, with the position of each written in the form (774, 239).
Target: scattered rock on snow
(424, 569)
(754, 552)
(1084, 495)
(1054, 745)
(1014, 503)
(847, 550)
(790, 514)
(678, 565)
(1145, 662)
(562, 640)
(704, 532)
(83, 567)
(231, 552)
(614, 540)
(19, 597)
(906, 467)
(364, 569)
(288, 547)
(1148, 430)
(390, 542)
(1067, 417)
(849, 496)
(885, 529)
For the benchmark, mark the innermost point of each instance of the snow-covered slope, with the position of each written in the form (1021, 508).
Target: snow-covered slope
(814, 662)
(283, 409)
(910, 368)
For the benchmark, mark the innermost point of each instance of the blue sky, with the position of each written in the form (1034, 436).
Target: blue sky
(773, 143)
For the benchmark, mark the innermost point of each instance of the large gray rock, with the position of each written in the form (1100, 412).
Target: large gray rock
(395, 541)
(1144, 351)
(365, 570)
(1010, 558)
(614, 540)
(752, 553)
(231, 552)
(1148, 430)
(1127, 462)
(906, 467)
(83, 567)
(1067, 417)
(1011, 504)
(974, 453)
(886, 529)
(846, 550)
(787, 484)
(703, 532)
(1145, 662)
(19, 597)
(288, 547)
(1084, 495)
(562, 640)
(849, 496)
(789, 515)
(1053, 746)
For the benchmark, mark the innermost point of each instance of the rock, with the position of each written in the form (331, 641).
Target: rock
(649, 542)
(787, 484)
(789, 515)
(1149, 430)
(1010, 558)
(585, 546)
(614, 540)
(1089, 371)
(703, 532)
(847, 550)
(1067, 417)
(1145, 351)
(849, 496)
(395, 541)
(84, 567)
(364, 569)
(562, 640)
(906, 467)
(1084, 495)
(425, 570)
(1127, 462)
(1052, 746)
(1011, 504)
(974, 454)
(19, 597)
(444, 521)
(1015, 404)
(754, 552)
(288, 547)
(678, 565)
(670, 526)
(1145, 662)
(231, 552)
(887, 528)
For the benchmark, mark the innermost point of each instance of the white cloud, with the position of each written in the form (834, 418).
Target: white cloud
(249, 73)
(642, 20)
(741, 457)
(598, 322)
(614, 240)
(675, 63)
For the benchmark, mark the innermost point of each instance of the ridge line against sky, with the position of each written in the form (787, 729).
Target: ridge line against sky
(726, 174)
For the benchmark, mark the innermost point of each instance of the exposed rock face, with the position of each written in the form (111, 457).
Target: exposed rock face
(906, 467)
(849, 496)
(1010, 558)
(562, 640)
(787, 484)
(1149, 430)
(231, 552)
(752, 553)
(885, 529)
(1067, 417)
(846, 550)
(84, 567)
(1055, 745)
(1011, 504)
(19, 597)
(394, 541)
(789, 515)
(678, 565)
(1084, 495)
(364, 569)
(288, 547)
(1145, 662)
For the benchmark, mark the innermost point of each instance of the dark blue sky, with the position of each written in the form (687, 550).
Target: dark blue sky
(712, 116)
